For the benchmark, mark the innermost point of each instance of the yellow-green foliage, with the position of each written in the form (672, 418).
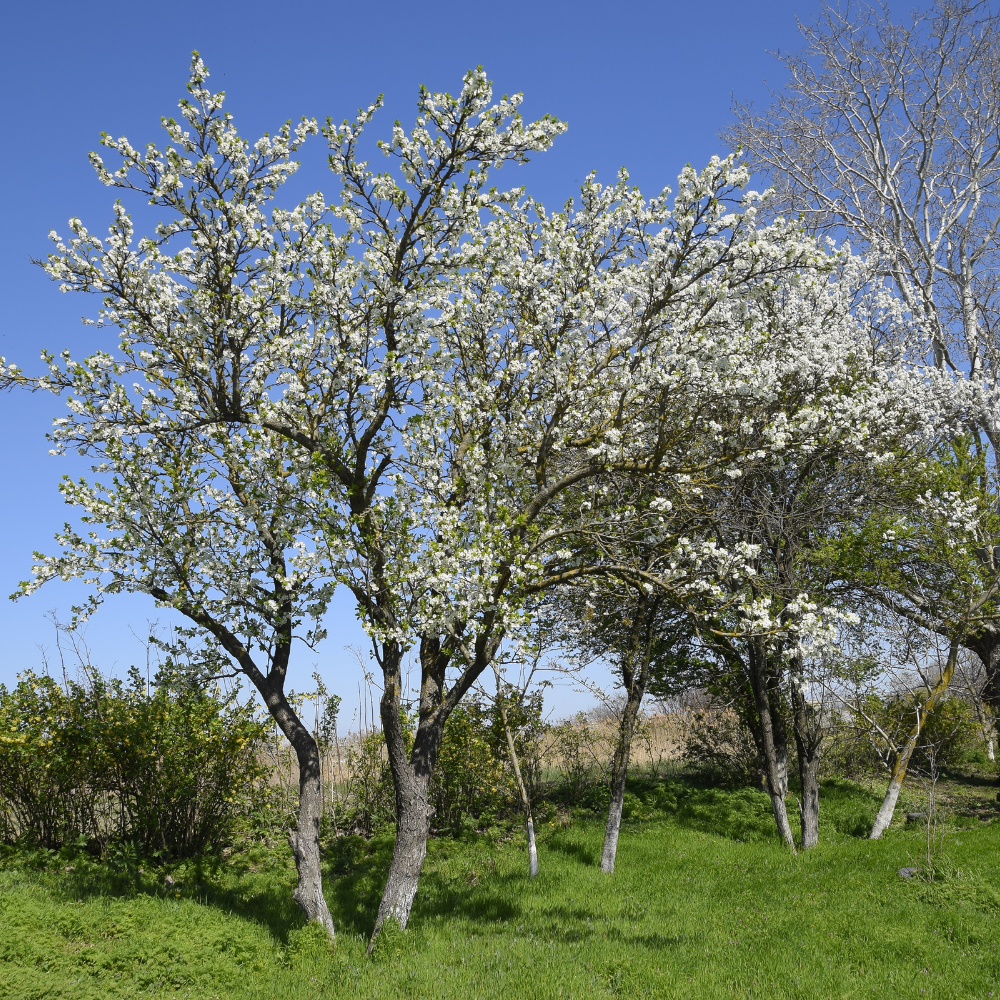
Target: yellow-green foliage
(168, 769)
(371, 798)
(950, 736)
(473, 779)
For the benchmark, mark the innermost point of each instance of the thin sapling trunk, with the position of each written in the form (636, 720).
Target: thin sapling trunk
(525, 801)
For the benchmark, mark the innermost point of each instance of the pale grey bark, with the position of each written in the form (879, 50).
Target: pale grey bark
(619, 773)
(611, 830)
(411, 774)
(808, 737)
(532, 850)
(773, 743)
(635, 678)
(304, 841)
(888, 807)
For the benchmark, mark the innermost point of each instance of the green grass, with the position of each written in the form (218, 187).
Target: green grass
(705, 903)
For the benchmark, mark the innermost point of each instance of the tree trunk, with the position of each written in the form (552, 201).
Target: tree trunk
(619, 772)
(532, 850)
(411, 776)
(525, 801)
(985, 646)
(774, 743)
(635, 682)
(304, 839)
(807, 743)
(884, 816)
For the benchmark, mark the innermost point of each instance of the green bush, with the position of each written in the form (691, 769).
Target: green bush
(473, 780)
(951, 736)
(167, 769)
(371, 803)
(952, 733)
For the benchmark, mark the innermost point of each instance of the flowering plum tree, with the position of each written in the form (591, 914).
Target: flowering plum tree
(403, 394)
(929, 559)
(823, 432)
(216, 503)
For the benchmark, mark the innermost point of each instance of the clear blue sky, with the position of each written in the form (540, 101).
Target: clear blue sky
(647, 85)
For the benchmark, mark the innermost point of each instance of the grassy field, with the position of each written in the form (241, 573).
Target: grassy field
(705, 903)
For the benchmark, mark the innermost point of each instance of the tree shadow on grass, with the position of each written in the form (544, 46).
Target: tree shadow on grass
(741, 814)
(744, 814)
(484, 903)
(354, 872)
(357, 872)
(655, 941)
(583, 853)
(847, 807)
(969, 778)
(200, 879)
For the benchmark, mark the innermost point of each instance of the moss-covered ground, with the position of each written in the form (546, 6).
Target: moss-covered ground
(705, 903)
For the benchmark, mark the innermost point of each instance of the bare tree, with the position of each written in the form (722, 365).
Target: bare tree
(890, 133)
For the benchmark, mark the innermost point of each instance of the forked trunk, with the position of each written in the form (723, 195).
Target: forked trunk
(304, 839)
(884, 816)
(774, 745)
(411, 779)
(411, 772)
(807, 744)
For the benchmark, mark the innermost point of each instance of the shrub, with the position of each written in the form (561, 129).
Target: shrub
(857, 749)
(473, 780)
(719, 744)
(952, 734)
(168, 768)
(370, 795)
(582, 748)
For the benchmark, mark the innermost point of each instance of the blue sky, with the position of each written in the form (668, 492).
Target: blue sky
(644, 85)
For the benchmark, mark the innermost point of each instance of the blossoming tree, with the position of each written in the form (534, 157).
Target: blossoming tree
(402, 394)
